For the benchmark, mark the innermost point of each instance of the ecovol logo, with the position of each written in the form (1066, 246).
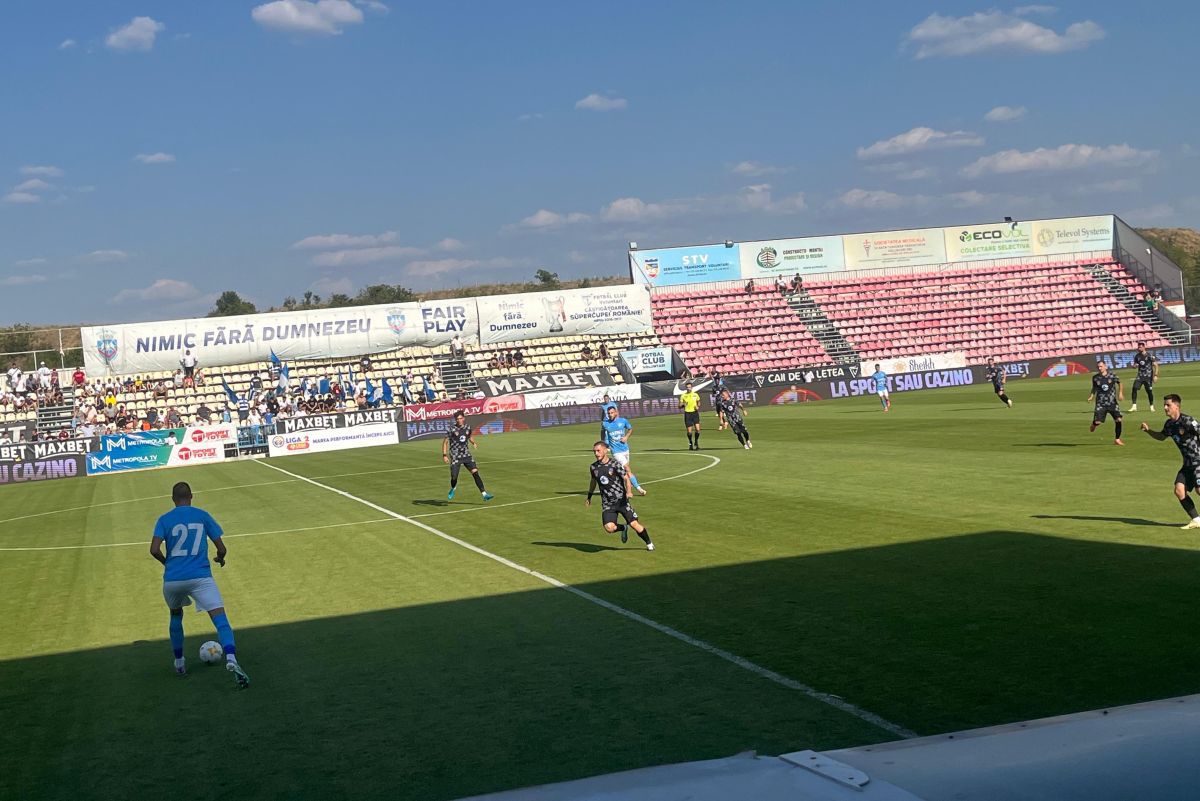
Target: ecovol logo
(993, 234)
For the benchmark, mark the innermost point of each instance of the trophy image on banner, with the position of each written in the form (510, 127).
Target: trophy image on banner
(555, 315)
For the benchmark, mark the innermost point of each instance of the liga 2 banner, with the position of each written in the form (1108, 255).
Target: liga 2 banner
(571, 312)
(333, 432)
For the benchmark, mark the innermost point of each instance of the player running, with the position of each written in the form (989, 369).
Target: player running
(613, 480)
(617, 431)
(1106, 389)
(187, 575)
(456, 452)
(690, 403)
(604, 407)
(995, 374)
(731, 412)
(880, 379)
(1147, 374)
(1185, 431)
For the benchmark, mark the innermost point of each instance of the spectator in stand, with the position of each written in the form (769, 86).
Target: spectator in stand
(457, 349)
(365, 364)
(518, 358)
(604, 354)
(152, 415)
(14, 376)
(780, 286)
(43, 375)
(174, 418)
(797, 283)
(160, 390)
(122, 419)
(188, 363)
(750, 287)
(586, 353)
(78, 379)
(1154, 300)
(199, 377)
(177, 379)
(204, 414)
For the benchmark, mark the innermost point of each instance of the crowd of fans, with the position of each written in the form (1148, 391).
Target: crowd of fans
(25, 392)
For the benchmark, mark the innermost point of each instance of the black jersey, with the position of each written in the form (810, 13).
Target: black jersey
(1144, 362)
(610, 477)
(1104, 387)
(733, 415)
(1185, 432)
(995, 374)
(460, 445)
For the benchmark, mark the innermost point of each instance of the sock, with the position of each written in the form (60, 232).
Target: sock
(1118, 428)
(176, 629)
(689, 438)
(883, 402)
(1004, 398)
(633, 480)
(697, 439)
(746, 434)
(478, 482)
(225, 635)
(453, 483)
(644, 534)
(1149, 394)
(620, 528)
(1188, 506)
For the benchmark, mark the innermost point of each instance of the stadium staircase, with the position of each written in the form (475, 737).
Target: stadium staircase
(456, 375)
(53, 419)
(1123, 286)
(822, 328)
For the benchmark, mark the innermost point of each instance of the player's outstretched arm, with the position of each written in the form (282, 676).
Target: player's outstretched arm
(591, 491)
(221, 551)
(1158, 435)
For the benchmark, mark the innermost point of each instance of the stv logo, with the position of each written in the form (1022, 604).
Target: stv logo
(396, 321)
(106, 345)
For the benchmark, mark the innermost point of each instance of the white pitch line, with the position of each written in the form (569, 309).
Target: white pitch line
(753, 667)
(146, 543)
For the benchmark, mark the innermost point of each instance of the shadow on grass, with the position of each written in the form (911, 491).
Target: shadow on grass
(1045, 445)
(1129, 521)
(431, 502)
(587, 547)
(449, 699)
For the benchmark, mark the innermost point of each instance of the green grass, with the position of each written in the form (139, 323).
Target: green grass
(947, 565)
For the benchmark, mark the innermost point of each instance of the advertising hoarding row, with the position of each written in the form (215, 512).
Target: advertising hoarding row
(140, 450)
(358, 330)
(766, 259)
(333, 432)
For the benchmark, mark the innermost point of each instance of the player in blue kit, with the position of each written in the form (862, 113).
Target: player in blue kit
(881, 389)
(605, 405)
(616, 435)
(187, 575)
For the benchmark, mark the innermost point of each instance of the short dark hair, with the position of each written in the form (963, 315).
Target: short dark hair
(1173, 398)
(181, 492)
(460, 413)
(1141, 344)
(599, 442)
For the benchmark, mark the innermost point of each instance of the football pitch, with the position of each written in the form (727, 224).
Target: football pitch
(947, 565)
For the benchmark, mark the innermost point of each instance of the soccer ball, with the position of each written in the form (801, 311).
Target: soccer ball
(211, 652)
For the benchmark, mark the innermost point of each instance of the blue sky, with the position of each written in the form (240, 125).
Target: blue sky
(158, 153)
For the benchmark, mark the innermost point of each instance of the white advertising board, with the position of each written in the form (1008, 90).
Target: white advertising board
(916, 364)
(333, 432)
(786, 257)
(894, 248)
(603, 310)
(583, 396)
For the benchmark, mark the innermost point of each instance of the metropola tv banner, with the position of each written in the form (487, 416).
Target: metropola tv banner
(142, 450)
(915, 247)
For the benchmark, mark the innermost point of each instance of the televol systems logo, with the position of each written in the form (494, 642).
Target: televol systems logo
(396, 321)
(106, 344)
(1045, 237)
(768, 257)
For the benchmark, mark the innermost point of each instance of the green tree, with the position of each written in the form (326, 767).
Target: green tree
(230, 303)
(17, 339)
(337, 300)
(311, 300)
(547, 279)
(289, 303)
(383, 293)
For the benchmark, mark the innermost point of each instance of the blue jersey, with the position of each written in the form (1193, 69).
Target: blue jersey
(186, 531)
(604, 407)
(615, 432)
(880, 379)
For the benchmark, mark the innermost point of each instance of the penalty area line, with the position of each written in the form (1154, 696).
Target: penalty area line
(752, 667)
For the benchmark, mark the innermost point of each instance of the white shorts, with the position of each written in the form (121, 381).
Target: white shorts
(621, 458)
(883, 393)
(203, 590)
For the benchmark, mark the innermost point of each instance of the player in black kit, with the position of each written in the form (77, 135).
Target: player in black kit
(1185, 432)
(1106, 389)
(456, 452)
(615, 491)
(995, 374)
(730, 412)
(1147, 374)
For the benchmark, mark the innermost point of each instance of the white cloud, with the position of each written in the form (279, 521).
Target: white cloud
(425, 269)
(164, 289)
(373, 5)
(903, 170)
(359, 256)
(325, 17)
(595, 102)
(760, 198)
(754, 169)
(633, 209)
(22, 197)
(137, 34)
(47, 171)
(23, 280)
(544, 218)
(154, 158)
(919, 139)
(1005, 113)
(345, 241)
(996, 31)
(871, 199)
(29, 262)
(1023, 11)
(66, 44)
(450, 244)
(969, 198)
(32, 185)
(107, 255)
(1063, 157)
(332, 286)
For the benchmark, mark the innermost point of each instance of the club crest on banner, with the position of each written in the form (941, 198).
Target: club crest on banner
(106, 344)
(396, 321)
(652, 268)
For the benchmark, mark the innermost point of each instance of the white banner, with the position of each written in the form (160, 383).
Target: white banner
(583, 397)
(320, 333)
(219, 434)
(916, 364)
(894, 248)
(786, 257)
(649, 360)
(603, 310)
(1073, 235)
(989, 241)
(333, 432)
